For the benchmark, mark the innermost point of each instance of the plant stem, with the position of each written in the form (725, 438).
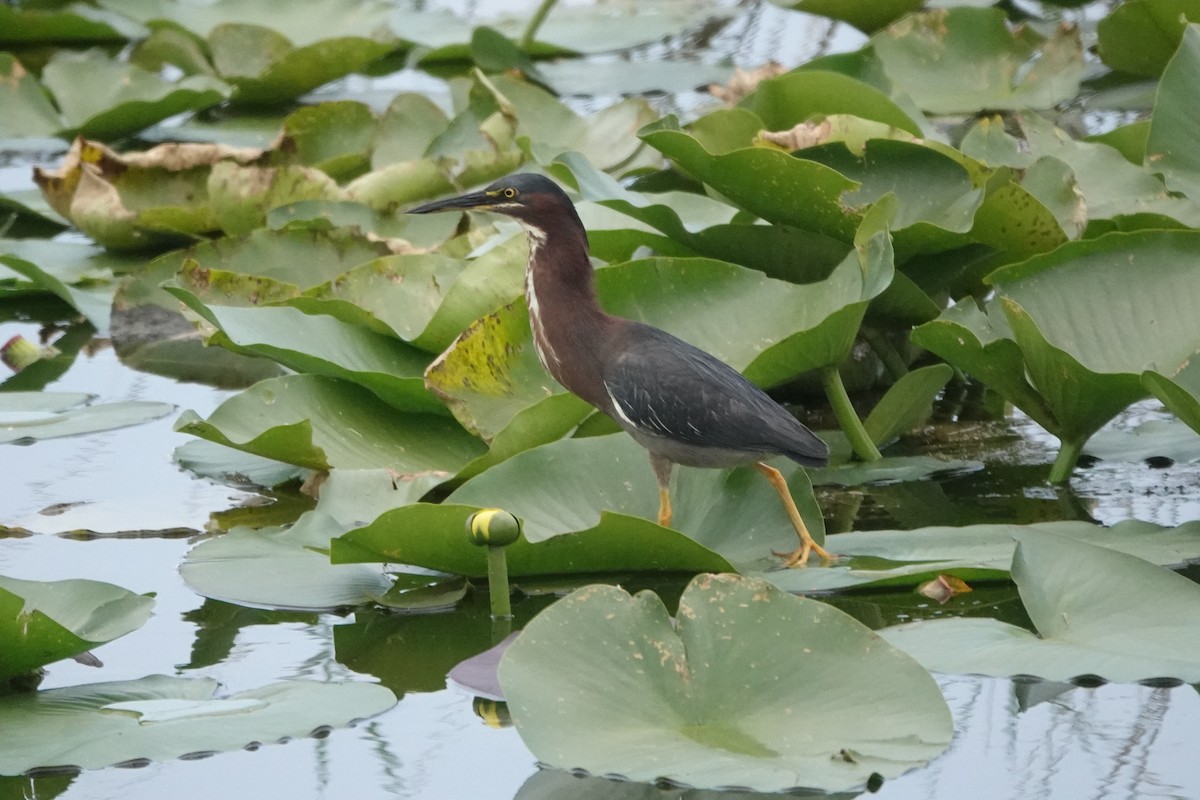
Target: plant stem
(1064, 463)
(539, 17)
(852, 426)
(498, 582)
(892, 361)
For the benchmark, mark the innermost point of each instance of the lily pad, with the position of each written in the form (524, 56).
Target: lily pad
(1139, 37)
(269, 266)
(1145, 630)
(907, 404)
(105, 99)
(323, 345)
(866, 15)
(318, 422)
(1168, 148)
(44, 622)
(23, 418)
(566, 486)
(433, 537)
(159, 718)
(28, 111)
(963, 60)
(605, 682)
(288, 567)
(973, 552)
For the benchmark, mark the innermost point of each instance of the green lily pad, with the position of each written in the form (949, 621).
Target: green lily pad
(266, 68)
(28, 112)
(335, 137)
(1067, 351)
(318, 422)
(423, 298)
(1169, 149)
(270, 265)
(1144, 630)
(964, 60)
(801, 95)
(1178, 390)
(288, 567)
(565, 486)
(1139, 36)
(59, 23)
(234, 467)
(981, 343)
(1111, 186)
(24, 416)
(160, 718)
(90, 295)
(434, 537)
(44, 622)
(605, 682)
(105, 99)
(972, 552)
(1165, 438)
(907, 404)
(324, 345)
(866, 15)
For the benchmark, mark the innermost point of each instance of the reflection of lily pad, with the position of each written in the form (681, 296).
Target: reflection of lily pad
(161, 718)
(749, 687)
(43, 622)
(1145, 629)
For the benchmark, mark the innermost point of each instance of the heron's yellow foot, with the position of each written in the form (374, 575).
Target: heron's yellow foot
(799, 556)
(664, 508)
(808, 545)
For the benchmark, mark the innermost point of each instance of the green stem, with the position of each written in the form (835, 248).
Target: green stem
(843, 409)
(539, 17)
(498, 582)
(892, 361)
(1064, 463)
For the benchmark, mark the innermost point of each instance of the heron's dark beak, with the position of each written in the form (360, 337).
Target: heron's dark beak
(464, 202)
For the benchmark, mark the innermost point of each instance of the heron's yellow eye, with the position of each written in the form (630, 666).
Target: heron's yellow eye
(510, 193)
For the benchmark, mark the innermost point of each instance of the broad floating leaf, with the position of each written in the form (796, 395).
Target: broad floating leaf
(1139, 37)
(106, 99)
(432, 537)
(750, 687)
(45, 621)
(565, 486)
(1169, 148)
(23, 416)
(1145, 630)
(318, 422)
(159, 718)
(964, 60)
(289, 567)
(973, 552)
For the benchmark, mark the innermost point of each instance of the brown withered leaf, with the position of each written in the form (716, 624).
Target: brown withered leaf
(943, 588)
(744, 82)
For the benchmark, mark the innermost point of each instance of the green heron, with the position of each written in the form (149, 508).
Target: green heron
(680, 403)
